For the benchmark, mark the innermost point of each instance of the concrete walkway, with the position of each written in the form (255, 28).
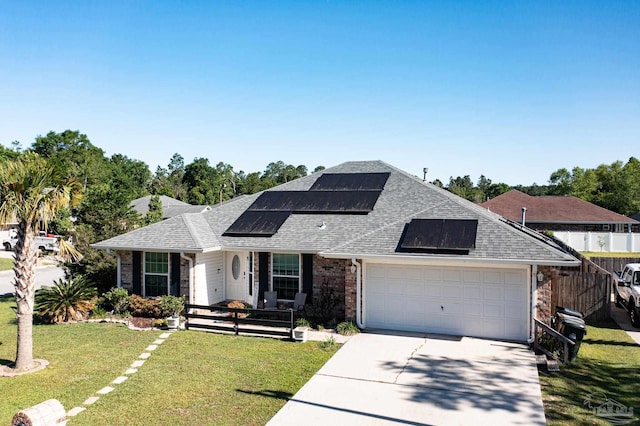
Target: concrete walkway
(133, 369)
(415, 379)
(621, 316)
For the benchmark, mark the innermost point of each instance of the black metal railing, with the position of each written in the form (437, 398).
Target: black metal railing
(241, 320)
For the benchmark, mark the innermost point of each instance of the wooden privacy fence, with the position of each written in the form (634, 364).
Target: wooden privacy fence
(614, 264)
(272, 322)
(586, 292)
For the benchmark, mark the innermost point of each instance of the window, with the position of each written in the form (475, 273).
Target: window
(156, 274)
(285, 274)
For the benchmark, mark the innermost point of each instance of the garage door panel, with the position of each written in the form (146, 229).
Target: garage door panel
(492, 293)
(472, 292)
(493, 278)
(451, 291)
(472, 276)
(415, 288)
(478, 302)
(492, 310)
(513, 294)
(433, 275)
(474, 309)
(452, 275)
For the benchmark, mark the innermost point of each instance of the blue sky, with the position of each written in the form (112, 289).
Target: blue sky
(511, 90)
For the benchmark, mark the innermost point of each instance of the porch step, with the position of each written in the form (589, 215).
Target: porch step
(552, 365)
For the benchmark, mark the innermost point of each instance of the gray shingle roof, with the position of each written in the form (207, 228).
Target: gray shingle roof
(376, 234)
(170, 206)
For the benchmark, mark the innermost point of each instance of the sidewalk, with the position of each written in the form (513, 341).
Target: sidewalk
(621, 316)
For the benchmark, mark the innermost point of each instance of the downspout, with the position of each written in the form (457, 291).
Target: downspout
(355, 263)
(534, 300)
(190, 260)
(118, 270)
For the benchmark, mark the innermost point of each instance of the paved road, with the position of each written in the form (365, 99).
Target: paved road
(45, 276)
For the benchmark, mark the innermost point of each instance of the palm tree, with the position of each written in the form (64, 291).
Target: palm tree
(32, 191)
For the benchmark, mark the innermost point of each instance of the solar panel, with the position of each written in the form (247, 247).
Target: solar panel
(440, 234)
(352, 202)
(257, 224)
(350, 182)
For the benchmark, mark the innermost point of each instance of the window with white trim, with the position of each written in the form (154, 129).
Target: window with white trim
(285, 275)
(156, 274)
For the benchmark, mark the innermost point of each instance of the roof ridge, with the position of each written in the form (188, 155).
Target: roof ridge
(403, 219)
(186, 218)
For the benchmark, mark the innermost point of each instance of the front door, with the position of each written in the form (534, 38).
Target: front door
(236, 267)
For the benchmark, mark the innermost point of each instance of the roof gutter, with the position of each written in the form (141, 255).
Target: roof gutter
(441, 259)
(154, 249)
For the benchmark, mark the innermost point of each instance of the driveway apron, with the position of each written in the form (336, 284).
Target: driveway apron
(413, 379)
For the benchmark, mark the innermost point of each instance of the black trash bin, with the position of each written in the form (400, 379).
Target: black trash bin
(568, 311)
(572, 327)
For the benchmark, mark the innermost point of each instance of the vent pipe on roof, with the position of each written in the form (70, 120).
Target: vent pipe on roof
(425, 170)
(524, 215)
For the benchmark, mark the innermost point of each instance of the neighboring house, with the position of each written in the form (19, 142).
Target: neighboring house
(7, 230)
(401, 254)
(559, 213)
(170, 206)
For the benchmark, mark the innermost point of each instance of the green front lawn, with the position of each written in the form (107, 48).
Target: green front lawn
(608, 362)
(6, 264)
(193, 378)
(589, 254)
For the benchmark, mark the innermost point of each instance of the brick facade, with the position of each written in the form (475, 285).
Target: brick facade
(184, 274)
(544, 310)
(126, 270)
(331, 272)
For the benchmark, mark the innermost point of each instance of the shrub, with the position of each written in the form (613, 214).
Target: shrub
(98, 312)
(302, 322)
(66, 301)
(160, 322)
(117, 300)
(171, 305)
(325, 305)
(328, 343)
(142, 307)
(347, 328)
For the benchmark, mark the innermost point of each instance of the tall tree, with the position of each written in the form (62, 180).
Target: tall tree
(201, 181)
(74, 153)
(33, 192)
(155, 210)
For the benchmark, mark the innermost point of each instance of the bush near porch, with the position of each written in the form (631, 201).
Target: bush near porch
(193, 378)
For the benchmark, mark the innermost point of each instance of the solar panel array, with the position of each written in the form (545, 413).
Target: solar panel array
(257, 224)
(440, 234)
(350, 182)
(332, 193)
(350, 202)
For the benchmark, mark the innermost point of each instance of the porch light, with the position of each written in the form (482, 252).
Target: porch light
(540, 276)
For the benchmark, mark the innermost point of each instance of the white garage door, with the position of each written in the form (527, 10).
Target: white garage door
(478, 302)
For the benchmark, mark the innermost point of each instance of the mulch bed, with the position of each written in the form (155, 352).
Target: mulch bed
(140, 322)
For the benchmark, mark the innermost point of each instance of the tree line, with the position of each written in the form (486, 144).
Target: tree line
(614, 186)
(109, 184)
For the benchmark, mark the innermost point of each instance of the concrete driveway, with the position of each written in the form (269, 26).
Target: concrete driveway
(420, 380)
